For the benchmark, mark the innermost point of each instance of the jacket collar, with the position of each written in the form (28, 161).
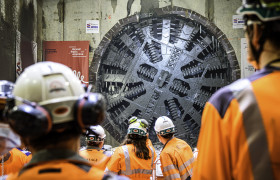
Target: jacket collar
(55, 154)
(168, 142)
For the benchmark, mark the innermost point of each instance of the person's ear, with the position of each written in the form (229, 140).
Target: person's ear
(254, 36)
(257, 33)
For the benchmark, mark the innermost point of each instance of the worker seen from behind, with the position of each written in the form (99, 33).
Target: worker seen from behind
(176, 157)
(93, 152)
(135, 158)
(239, 136)
(144, 124)
(11, 158)
(8, 139)
(51, 110)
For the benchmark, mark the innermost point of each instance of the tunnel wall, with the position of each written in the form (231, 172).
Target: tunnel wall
(65, 20)
(21, 35)
(26, 23)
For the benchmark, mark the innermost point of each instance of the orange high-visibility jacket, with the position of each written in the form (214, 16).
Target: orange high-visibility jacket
(15, 162)
(149, 144)
(57, 164)
(176, 159)
(27, 153)
(98, 157)
(239, 136)
(125, 162)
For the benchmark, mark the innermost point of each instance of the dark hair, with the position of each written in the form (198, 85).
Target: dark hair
(272, 32)
(271, 29)
(139, 143)
(55, 136)
(168, 136)
(1, 114)
(93, 143)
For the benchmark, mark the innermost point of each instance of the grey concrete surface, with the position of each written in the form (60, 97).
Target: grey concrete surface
(20, 34)
(66, 19)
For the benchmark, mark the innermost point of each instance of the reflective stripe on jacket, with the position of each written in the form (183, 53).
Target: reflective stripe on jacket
(239, 136)
(125, 162)
(176, 159)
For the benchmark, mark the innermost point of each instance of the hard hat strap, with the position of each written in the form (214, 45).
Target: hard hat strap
(167, 131)
(136, 131)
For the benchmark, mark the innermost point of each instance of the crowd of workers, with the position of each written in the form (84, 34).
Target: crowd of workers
(56, 148)
(48, 109)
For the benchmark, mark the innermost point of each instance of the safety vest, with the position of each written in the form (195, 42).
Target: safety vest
(57, 164)
(176, 159)
(15, 162)
(125, 162)
(240, 136)
(149, 144)
(99, 158)
(27, 153)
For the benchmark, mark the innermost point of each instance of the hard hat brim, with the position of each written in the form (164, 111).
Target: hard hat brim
(264, 14)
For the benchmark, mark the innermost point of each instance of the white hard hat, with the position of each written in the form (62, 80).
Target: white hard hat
(164, 125)
(137, 128)
(93, 131)
(51, 85)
